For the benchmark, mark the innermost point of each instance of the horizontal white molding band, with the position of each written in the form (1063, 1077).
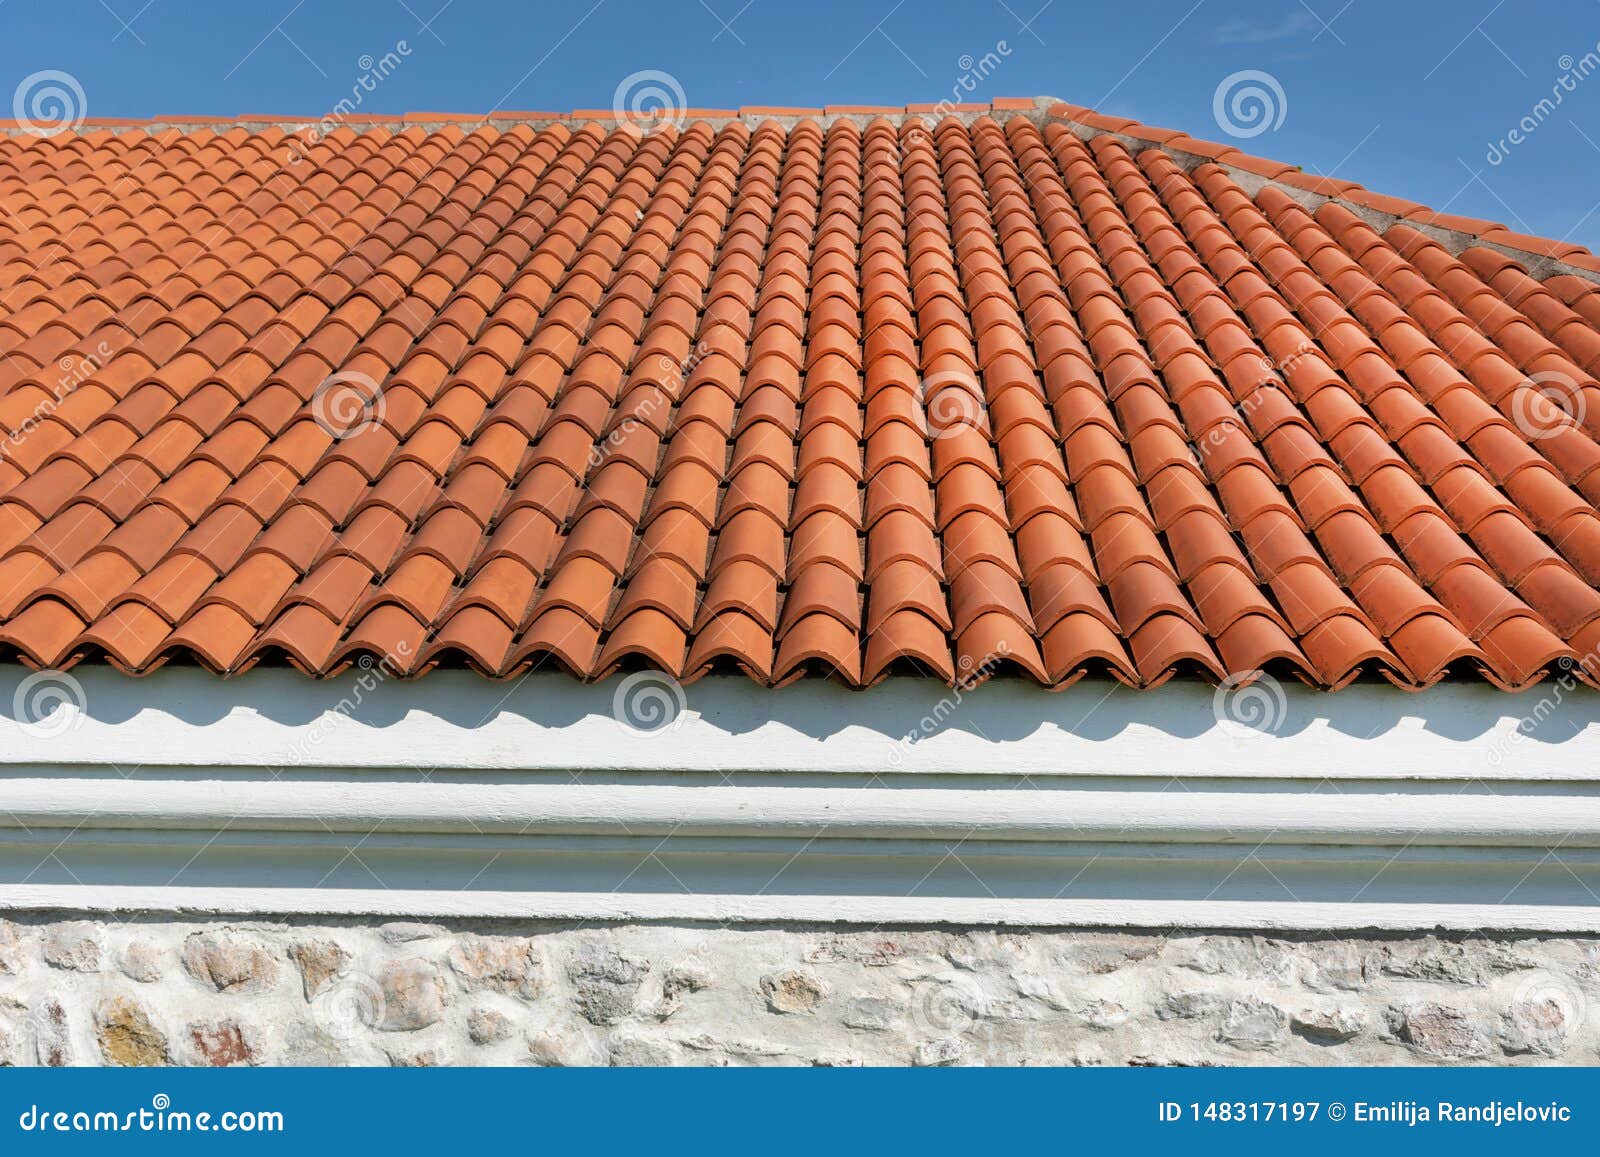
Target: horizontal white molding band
(232, 869)
(454, 721)
(1283, 916)
(1179, 814)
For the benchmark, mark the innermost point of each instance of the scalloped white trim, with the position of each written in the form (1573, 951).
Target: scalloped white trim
(454, 795)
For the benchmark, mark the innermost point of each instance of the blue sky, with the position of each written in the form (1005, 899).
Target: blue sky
(1406, 98)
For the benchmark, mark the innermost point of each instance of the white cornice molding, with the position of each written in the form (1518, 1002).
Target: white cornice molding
(1199, 812)
(453, 795)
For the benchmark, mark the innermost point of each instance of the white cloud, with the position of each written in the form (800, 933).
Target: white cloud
(1244, 31)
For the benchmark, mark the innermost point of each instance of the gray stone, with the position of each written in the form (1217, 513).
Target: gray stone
(940, 1052)
(11, 951)
(1101, 1014)
(52, 1037)
(630, 1050)
(874, 949)
(1438, 1030)
(1338, 966)
(429, 1057)
(413, 995)
(1280, 962)
(1539, 1025)
(872, 1012)
(567, 1046)
(509, 964)
(1087, 1056)
(792, 991)
(1166, 1060)
(951, 1004)
(988, 952)
(306, 1043)
(1100, 953)
(681, 980)
(141, 961)
(1095, 1012)
(407, 931)
(606, 983)
(1467, 962)
(734, 1047)
(229, 962)
(1327, 1026)
(984, 1006)
(1587, 964)
(319, 961)
(485, 1026)
(1042, 988)
(1189, 1005)
(74, 946)
(837, 1061)
(1215, 955)
(346, 1007)
(1253, 1025)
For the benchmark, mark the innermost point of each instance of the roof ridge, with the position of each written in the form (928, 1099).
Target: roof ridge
(746, 113)
(1544, 256)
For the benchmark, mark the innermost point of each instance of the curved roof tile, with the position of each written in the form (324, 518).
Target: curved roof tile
(999, 389)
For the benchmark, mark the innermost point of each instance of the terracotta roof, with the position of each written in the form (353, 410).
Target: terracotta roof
(1016, 389)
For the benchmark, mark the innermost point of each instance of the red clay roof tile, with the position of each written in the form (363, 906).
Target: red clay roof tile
(843, 398)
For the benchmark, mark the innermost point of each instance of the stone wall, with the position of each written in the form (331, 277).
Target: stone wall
(152, 991)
